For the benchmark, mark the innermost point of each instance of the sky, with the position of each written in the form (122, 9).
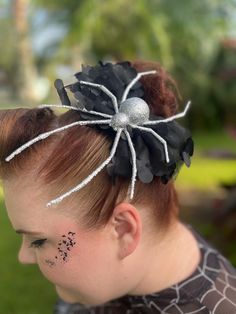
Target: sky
(44, 34)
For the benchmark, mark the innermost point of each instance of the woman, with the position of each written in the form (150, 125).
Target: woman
(106, 245)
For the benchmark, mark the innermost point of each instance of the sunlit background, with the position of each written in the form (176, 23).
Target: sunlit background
(42, 40)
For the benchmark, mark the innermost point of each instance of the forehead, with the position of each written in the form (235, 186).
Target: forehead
(26, 200)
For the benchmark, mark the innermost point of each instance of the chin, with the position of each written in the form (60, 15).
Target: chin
(71, 298)
(66, 296)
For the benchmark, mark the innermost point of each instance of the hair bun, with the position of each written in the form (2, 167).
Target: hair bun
(43, 113)
(37, 115)
(160, 90)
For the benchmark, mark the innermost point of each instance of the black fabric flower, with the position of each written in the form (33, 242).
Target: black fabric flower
(115, 77)
(150, 155)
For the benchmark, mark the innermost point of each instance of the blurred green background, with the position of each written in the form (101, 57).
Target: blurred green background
(195, 41)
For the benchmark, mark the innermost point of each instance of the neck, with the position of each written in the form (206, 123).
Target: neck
(172, 260)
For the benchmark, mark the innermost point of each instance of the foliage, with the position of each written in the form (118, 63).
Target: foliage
(183, 36)
(7, 48)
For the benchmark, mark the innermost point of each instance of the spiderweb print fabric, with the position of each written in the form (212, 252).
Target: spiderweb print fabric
(210, 289)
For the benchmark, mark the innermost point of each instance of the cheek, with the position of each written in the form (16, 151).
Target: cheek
(53, 260)
(58, 271)
(77, 261)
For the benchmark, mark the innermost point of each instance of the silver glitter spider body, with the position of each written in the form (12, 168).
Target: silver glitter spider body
(133, 112)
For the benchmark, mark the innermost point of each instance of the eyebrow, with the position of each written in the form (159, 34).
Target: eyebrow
(20, 231)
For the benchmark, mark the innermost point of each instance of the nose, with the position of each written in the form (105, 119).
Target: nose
(26, 256)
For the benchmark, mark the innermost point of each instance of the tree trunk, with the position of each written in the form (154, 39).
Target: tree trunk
(25, 68)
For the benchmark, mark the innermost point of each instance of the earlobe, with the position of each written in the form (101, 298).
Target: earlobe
(128, 227)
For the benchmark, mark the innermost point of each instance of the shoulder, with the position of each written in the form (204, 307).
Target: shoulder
(210, 289)
(220, 297)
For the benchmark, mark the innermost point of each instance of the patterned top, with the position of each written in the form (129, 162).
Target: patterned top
(210, 289)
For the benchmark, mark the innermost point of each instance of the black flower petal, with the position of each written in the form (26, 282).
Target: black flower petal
(150, 153)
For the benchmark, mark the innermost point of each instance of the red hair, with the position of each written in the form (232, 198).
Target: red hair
(73, 154)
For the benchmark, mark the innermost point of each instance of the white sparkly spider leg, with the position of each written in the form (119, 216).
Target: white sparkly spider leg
(134, 166)
(93, 174)
(75, 108)
(178, 115)
(47, 134)
(58, 105)
(106, 91)
(157, 136)
(125, 94)
(105, 115)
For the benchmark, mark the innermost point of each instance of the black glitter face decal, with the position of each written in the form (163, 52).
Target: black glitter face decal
(49, 263)
(65, 246)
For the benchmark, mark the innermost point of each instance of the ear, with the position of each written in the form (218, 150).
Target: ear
(127, 226)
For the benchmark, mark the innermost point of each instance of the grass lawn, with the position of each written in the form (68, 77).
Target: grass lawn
(208, 173)
(23, 290)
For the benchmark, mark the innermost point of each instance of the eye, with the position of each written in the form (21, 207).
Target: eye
(37, 243)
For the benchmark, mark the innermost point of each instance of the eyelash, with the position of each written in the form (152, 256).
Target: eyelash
(38, 243)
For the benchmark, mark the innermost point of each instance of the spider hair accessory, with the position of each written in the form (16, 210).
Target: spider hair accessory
(109, 97)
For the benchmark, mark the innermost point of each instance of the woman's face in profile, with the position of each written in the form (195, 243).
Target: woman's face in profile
(76, 261)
